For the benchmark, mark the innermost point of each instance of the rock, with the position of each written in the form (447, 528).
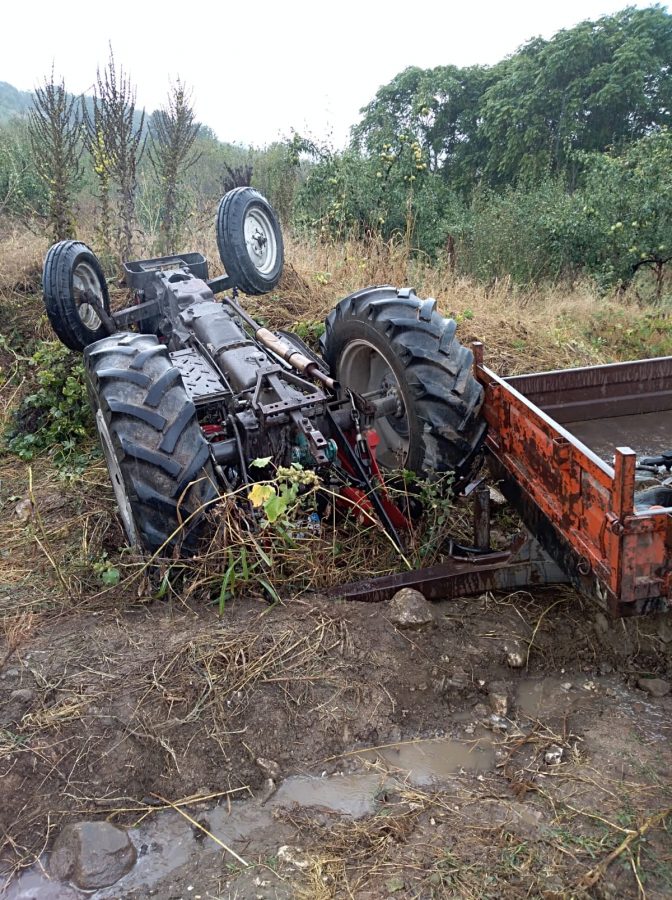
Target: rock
(92, 854)
(499, 704)
(654, 686)
(409, 609)
(497, 724)
(23, 695)
(515, 654)
(269, 767)
(498, 698)
(497, 498)
(553, 756)
(293, 856)
(23, 510)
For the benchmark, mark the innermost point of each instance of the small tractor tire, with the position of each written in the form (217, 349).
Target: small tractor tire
(381, 338)
(249, 240)
(158, 459)
(71, 273)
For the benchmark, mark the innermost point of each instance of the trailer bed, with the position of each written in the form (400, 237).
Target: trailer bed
(648, 434)
(565, 444)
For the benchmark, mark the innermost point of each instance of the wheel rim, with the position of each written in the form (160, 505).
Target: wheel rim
(85, 282)
(117, 479)
(365, 370)
(260, 240)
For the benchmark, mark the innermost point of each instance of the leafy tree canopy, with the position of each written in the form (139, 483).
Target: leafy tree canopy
(598, 85)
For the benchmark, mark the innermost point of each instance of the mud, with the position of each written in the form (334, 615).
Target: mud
(376, 734)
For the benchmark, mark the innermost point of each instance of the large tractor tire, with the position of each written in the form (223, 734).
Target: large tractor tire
(249, 240)
(71, 277)
(158, 459)
(384, 339)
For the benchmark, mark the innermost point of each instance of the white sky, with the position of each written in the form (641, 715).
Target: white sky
(259, 68)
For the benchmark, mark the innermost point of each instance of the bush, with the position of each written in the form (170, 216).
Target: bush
(55, 416)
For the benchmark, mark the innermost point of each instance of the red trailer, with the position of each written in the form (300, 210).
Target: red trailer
(564, 448)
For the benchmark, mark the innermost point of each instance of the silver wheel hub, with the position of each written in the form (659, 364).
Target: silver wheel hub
(85, 283)
(365, 370)
(117, 479)
(262, 246)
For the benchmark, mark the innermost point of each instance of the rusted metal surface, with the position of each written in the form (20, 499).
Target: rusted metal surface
(579, 507)
(617, 389)
(648, 434)
(525, 564)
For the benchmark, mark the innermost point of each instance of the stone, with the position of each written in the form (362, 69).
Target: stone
(409, 609)
(515, 654)
(497, 498)
(657, 687)
(499, 704)
(293, 856)
(269, 767)
(92, 855)
(23, 510)
(498, 698)
(23, 695)
(553, 756)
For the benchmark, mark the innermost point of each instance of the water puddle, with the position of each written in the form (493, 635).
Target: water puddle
(166, 841)
(538, 698)
(348, 795)
(426, 763)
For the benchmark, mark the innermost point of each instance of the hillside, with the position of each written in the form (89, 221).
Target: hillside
(12, 101)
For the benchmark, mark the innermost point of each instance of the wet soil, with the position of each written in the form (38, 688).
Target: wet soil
(395, 769)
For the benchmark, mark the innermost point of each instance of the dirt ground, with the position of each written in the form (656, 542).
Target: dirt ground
(121, 706)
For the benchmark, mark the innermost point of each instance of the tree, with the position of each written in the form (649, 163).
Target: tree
(116, 139)
(599, 85)
(23, 194)
(54, 128)
(94, 137)
(436, 108)
(173, 131)
(626, 211)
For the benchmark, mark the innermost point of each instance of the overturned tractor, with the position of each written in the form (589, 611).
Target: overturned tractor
(187, 389)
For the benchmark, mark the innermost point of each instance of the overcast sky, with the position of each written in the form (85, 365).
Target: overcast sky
(259, 68)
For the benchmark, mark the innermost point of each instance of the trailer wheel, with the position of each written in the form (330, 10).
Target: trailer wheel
(71, 277)
(157, 457)
(249, 240)
(383, 339)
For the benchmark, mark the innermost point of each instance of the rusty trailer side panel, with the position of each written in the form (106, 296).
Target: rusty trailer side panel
(580, 507)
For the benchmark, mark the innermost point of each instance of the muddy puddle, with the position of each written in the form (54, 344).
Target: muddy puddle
(167, 840)
(425, 763)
